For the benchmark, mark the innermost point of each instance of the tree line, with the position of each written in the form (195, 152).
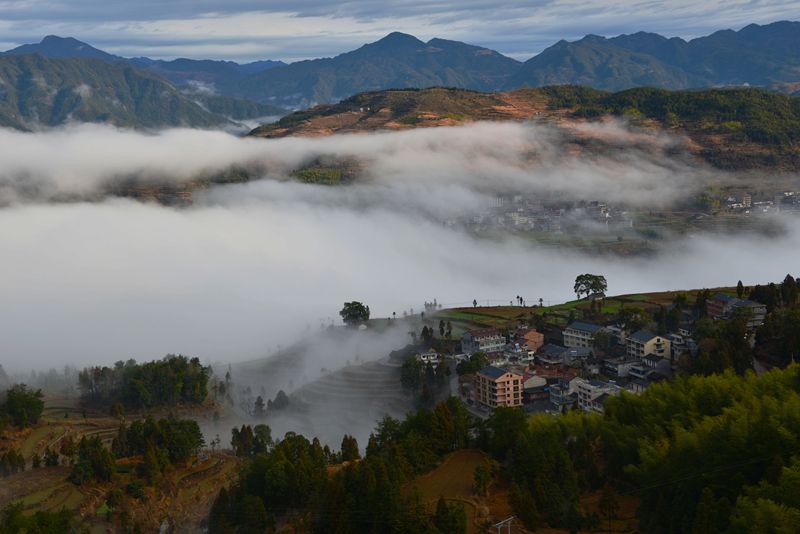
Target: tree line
(166, 382)
(290, 481)
(702, 454)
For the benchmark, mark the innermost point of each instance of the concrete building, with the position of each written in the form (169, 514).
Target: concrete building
(580, 334)
(495, 387)
(429, 357)
(592, 393)
(619, 367)
(644, 342)
(486, 340)
(562, 396)
(551, 354)
(725, 307)
(531, 339)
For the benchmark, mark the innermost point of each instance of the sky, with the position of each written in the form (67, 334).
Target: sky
(245, 30)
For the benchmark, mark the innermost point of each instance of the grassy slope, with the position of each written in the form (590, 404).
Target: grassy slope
(558, 314)
(728, 128)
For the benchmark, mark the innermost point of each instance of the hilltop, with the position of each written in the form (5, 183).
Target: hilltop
(728, 128)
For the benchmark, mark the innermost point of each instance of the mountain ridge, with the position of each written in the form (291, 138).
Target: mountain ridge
(756, 55)
(36, 92)
(732, 129)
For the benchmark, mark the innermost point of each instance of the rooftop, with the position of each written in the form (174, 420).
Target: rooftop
(643, 336)
(492, 372)
(552, 350)
(483, 332)
(585, 327)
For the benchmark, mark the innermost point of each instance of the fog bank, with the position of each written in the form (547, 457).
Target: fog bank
(80, 161)
(234, 278)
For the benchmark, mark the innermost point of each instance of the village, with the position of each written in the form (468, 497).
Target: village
(578, 365)
(548, 216)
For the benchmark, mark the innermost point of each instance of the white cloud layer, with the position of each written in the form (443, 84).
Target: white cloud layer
(482, 158)
(252, 266)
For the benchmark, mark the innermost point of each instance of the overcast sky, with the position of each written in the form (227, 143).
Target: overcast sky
(301, 29)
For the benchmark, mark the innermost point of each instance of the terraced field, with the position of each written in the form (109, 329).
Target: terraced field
(350, 400)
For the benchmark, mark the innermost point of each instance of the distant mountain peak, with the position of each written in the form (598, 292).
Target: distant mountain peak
(57, 46)
(51, 39)
(399, 39)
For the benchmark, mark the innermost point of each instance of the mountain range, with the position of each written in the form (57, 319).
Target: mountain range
(203, 93)
(755, 55)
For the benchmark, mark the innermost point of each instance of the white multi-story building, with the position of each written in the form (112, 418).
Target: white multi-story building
(580, 334)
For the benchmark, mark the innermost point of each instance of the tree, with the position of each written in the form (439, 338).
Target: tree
(450, 519)
(740, 289)
(281, 401)
(94, 461)
(350, 449)
(258, 408)
(589, 284)
(474, 303)
(481, 479)
(411, 374)
(441, 328)
(23, 406)
(608, 504)
(524, 505)
(477, 361)
(354, 313)
(789, 291)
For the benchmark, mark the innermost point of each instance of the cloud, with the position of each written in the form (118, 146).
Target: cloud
(229, 281)
(248, 30)
(251, 268)
(482, 158)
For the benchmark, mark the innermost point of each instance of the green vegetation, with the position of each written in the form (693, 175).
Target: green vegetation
(174, 440)
(751, 114)
(292, 480)
(328, 170)
(22, 406)
(719, 451)
(14, 521)
(476, 362)
(319, 175)
(731, 128)
(354, 313)
(590, 284)
(42, 91)
(423, 378)
(11, 461)
(167, 382)
(95, 462)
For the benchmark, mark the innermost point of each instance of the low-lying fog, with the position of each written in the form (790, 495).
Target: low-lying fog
(250, 267)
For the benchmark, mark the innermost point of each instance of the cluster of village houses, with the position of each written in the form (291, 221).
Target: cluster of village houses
(520, 213)
(524, 213)
(566, 370)
(785, 201)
